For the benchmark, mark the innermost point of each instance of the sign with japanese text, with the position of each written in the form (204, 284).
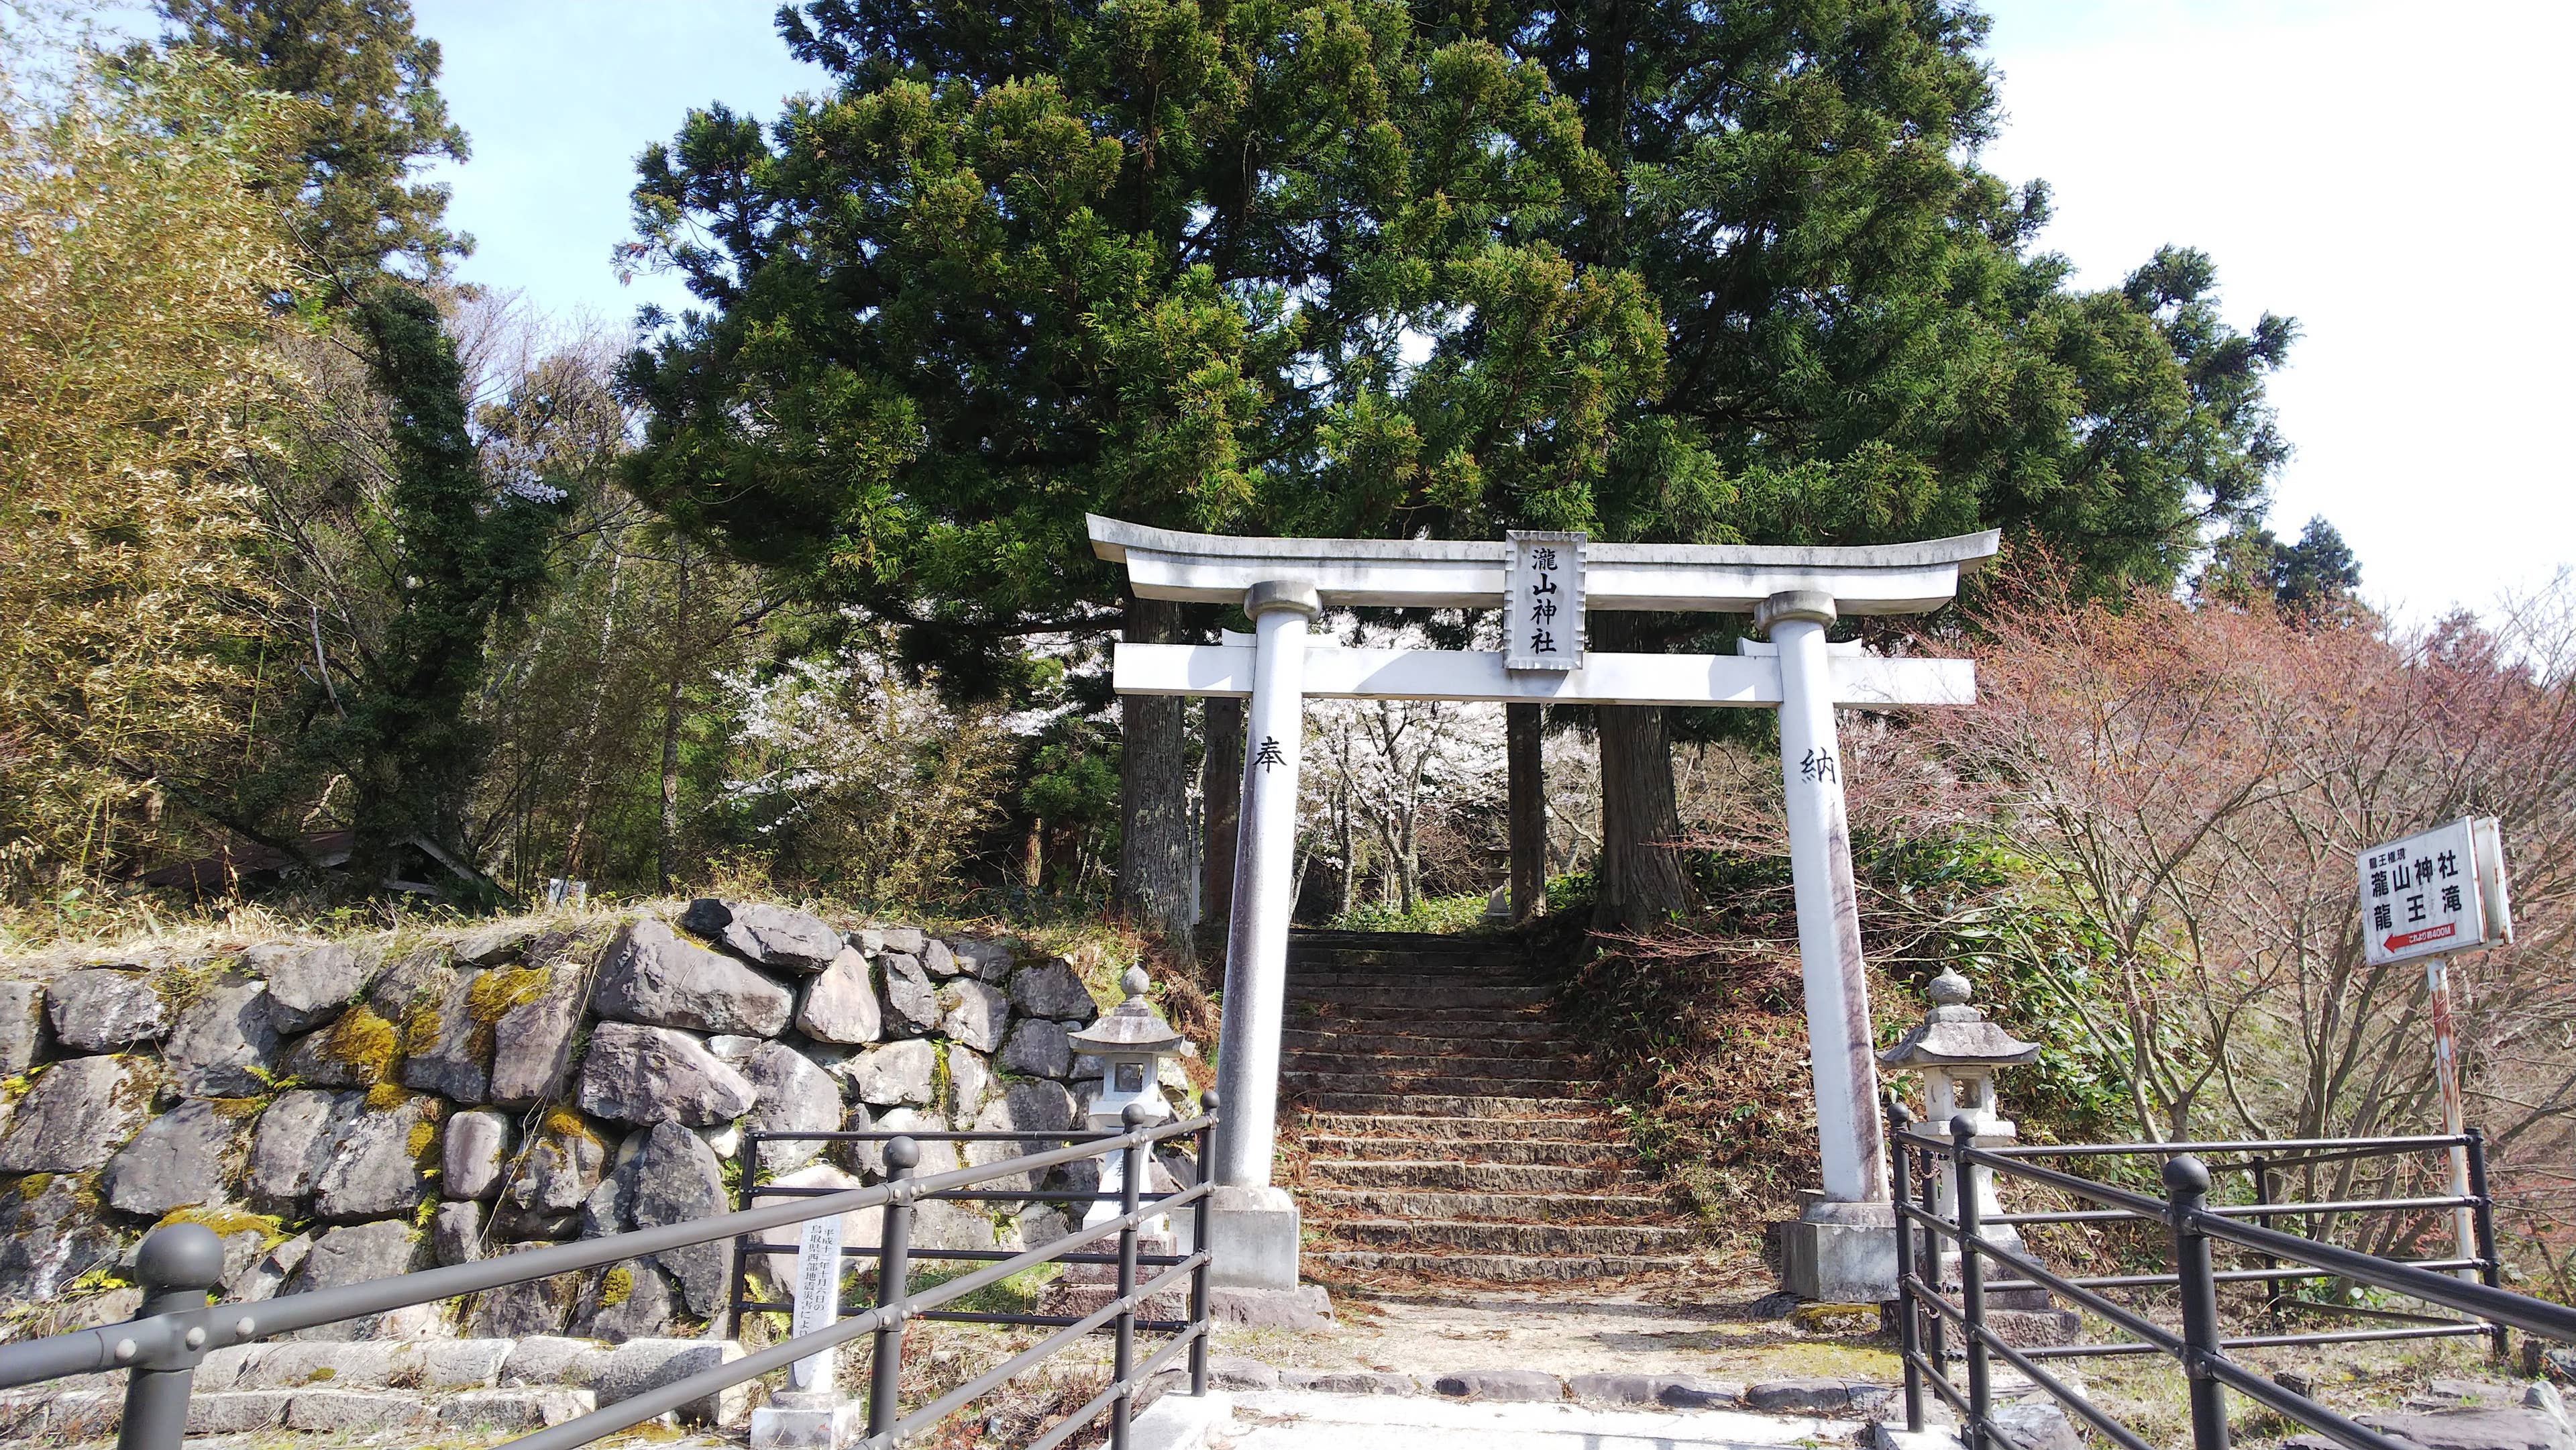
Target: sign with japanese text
(1543, 601)
(2429, 893)
(818, 1299)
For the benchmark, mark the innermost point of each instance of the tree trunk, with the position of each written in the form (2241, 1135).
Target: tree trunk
(1033, 854)
(1640, 873)
(666, 846)
(1524, 730)
(1221, 788)
(1154, 791)
(1345, 831)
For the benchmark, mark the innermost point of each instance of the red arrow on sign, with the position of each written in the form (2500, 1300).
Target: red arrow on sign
(2418, 938)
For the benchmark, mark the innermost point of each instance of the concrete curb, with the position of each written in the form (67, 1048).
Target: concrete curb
(1181, 1422)
(1830, 1398)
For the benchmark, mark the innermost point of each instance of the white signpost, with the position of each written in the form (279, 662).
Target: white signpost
(818, 1301)
(2428, 895)
(1844, 1247)
(811, 1413)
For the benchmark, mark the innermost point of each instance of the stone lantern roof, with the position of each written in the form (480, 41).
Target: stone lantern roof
(1954, 1034)
(1135, 1027)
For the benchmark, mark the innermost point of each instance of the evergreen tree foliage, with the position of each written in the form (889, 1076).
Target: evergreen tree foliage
(2313, 576)
(2317, 571)
(390, 496)
(378, 114)
(463, 561)
(1157, 261)
(1659, 271)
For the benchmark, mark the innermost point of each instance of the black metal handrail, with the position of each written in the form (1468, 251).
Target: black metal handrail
(1926, 1237)
(179, 1266)
(750, 1187)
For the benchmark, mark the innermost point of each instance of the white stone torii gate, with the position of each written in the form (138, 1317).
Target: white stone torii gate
(1843, 1248)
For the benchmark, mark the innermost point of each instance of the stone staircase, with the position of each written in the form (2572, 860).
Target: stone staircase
(1450, 1128)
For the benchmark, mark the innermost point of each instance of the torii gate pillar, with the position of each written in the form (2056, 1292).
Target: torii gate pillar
(1252, 1226)
(1841, 1248)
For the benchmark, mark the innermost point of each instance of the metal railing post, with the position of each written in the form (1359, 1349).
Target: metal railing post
(1936, 1334)
(1131, 1177)
(894, 1277)
(1198, 1244)
(2273, 1290)
(1909, 1331)
(1972, 1285)
(2187, 1184)
(2490, 1267)
(178, 1266)
(747, 1173)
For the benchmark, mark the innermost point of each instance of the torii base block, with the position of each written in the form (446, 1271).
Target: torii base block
(1253, 1241)
(1840, 1253)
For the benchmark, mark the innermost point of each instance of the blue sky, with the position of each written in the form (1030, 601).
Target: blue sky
(2393, 175)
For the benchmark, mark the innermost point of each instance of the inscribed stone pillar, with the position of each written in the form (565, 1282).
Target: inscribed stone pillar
(1252, 1228)
(1844, 1247)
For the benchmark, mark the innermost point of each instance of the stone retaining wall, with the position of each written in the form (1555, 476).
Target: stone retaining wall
(348, 1110)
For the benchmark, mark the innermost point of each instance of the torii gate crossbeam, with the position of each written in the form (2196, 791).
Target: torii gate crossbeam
(1844, 1246)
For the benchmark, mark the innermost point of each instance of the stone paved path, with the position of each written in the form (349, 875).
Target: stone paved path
(1289, 1421)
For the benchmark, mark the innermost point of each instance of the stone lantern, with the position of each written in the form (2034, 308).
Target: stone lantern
(1957, 1050)
(1131, 1044)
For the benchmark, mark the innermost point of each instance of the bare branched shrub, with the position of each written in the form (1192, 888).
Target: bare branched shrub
(863, 782)
(2196, 782)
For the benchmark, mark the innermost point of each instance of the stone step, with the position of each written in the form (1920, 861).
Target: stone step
(1526, 1038)
(1410, 997)
(1449, 1236)
(1451, 1064)
(1508, 1209)
(1465, 1174)
(1413, 979)
(1592, 1127)
(1446, 1105)
(1401, 943)
(1498, 1268)
(1582, 1152)
(1396, 1016)
(1298, 1080)
(1410, 967)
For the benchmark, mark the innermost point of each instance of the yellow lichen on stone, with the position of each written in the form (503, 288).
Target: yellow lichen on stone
(496, 992)
(364, 1043)
(384, 1097)
(563, 1122)
(421, 1027)
(424, 1134)
(615, 1285)
(34, 1185)
(229, 1221)
(179, 985)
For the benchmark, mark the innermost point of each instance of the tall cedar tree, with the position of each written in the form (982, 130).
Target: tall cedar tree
(1155, 262)
(378, 113)
(460, 556)
(1859, 346)
(1682, 272)
(406, 742)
